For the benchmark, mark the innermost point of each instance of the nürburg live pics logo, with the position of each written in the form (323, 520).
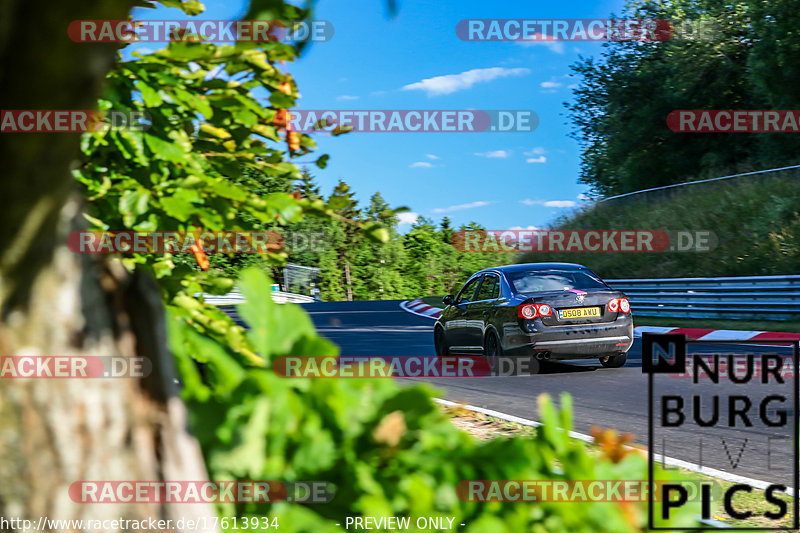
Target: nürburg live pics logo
(736, 418)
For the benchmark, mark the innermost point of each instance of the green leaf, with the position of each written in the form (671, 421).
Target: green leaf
(338, 202)
(96, 222)
(149, 95)
(190, 7)
(188, 51)
(178, 207)
(274, 328)
(281, 100)
(322, 161)
(132, 204)
(166, 150)
(376, 231)
(245, 117)
(226, 189)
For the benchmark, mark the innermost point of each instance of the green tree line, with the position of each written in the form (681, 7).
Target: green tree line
(743, 54)
(419, 262)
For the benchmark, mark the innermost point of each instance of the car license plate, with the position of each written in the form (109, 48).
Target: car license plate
(579, 312)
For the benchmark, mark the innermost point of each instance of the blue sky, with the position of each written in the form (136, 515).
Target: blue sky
(500, 180)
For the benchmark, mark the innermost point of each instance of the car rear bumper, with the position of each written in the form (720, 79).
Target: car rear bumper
(573, 342)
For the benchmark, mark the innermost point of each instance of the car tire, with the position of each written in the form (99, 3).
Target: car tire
(439, 343)
(492, 351)
(615, 360)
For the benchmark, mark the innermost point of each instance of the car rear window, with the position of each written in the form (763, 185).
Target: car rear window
(554, 280)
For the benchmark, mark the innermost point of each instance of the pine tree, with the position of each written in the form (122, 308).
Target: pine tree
(306, 186)
(446, 230)
(380, 211)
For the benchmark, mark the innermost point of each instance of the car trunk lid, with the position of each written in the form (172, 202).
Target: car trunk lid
(574, 307)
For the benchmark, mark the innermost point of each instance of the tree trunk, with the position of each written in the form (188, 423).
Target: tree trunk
(54, 432)
(347, 280)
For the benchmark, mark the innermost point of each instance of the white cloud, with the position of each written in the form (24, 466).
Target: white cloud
(407, 217)
(518, 228)
(582, 196)
(549, 84)
(421, 164)
(536, 151)
(346, 97)
(549, 203)
(494, 154)
(553, 46)
(460, 207)
(572, 86)
(451, 83)
(540, 159)
(431, 156)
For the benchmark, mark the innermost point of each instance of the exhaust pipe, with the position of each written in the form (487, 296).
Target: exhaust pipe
(542, 355)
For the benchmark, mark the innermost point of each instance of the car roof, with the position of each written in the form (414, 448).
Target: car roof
(527, 267)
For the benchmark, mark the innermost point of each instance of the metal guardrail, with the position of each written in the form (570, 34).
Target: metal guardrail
(236, 297)
(747, 297)
(644, 193)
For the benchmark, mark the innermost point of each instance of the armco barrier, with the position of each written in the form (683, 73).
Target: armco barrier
(748, 297)
(235, 297)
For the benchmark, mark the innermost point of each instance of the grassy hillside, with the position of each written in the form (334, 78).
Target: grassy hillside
(757, 222)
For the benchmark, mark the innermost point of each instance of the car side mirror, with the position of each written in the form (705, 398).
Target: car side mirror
(448, 300)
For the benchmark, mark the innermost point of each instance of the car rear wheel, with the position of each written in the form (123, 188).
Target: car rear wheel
(615, 360)
(492, 352)
(440, 343)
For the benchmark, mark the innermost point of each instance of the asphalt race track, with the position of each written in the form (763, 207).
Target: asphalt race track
(615, 398)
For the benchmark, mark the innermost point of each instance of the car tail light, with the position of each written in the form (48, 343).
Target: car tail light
(621, 305)
(526, 311)
(529, 311)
